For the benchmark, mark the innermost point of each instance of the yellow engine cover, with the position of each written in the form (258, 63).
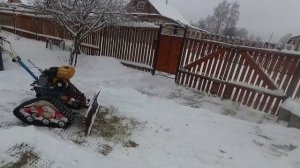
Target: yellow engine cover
(65, 72)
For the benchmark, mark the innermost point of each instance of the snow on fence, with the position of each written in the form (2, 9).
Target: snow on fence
(234, 40)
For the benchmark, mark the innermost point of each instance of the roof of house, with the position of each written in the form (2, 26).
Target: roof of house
(293, 38)
(168, 11)
(165, 10)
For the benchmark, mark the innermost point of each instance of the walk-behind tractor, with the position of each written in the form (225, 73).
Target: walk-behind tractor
(56, 97)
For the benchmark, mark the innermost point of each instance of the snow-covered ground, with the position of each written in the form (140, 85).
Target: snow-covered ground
(145, 121)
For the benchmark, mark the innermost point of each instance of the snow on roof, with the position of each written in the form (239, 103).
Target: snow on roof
(168, 11)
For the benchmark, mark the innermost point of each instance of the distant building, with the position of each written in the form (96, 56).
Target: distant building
(295, 41)
(159, 12)
(14, 1)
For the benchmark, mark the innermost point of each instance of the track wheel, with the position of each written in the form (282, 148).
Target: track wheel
(45, 121)
(29, 119)
(61, 124)
(60, 84)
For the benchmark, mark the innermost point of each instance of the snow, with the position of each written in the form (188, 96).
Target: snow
(277, 92)
(292, 105)
(291, 52)
(178, 126)
(168, 11)
(138, 24)
(27, 2)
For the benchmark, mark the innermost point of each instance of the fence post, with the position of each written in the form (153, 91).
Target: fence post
(180, 54)
(36, 26)
(15, 22)
(294, 82)
(156, 51)
(1, 60)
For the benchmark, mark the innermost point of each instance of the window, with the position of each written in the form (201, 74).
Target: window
(141, 5)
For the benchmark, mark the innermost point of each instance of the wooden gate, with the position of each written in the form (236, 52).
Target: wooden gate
(256, 78)
(168, 53)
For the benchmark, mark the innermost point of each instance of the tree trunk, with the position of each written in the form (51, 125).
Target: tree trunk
(75, 51)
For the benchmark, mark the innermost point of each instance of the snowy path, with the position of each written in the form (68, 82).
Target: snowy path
(146, 122)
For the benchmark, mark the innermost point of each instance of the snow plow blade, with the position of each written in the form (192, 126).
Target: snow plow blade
(91, 114)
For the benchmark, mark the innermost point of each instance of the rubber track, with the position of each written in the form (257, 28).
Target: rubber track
(63, 109)
(79, 96)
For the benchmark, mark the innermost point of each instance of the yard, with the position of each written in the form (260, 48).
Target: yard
(145, 121)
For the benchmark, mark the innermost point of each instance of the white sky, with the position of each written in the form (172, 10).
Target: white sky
(261, 17)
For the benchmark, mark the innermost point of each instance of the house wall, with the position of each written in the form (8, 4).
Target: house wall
(14, 1)
(296, 42)
(132, 7)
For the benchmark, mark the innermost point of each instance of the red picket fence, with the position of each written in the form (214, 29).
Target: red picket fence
(259, 78)
(134, 44)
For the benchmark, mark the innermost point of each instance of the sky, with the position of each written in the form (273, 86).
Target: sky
(260, 17)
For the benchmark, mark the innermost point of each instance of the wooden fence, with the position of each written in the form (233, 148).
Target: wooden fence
(256, 77)
(134, 44)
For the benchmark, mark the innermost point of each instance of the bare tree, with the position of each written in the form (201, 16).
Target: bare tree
(220, 16)
(233, 17)
(285, 38)
(224, 20)
(81, 17)
(254, 37)
(242, 32)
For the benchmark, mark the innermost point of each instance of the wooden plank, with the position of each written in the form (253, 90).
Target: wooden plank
(104, 49)
(273, 64)
(226, 67)
(294, 82)
(132, 42)
(215, 88)
(136, 45)
(276, 106)
(246, 98)
(149, 47)
(283, 70)
(205, 45)
(233, 64)
(257, 101)
(263, 103)
(253, 65)
(297, 96)
(227, 92)
(236, 94)
(221, 62)
(143, 46)
(128, 43)
(184, 55)
(200, 83)
(243, 72)
(204, 59)
(121, 45)
(241, 96)
(269, 104)
(117, 47)
(153, 47)
(238, 66)
(188, 59)
(290, 69)
(140, 45)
